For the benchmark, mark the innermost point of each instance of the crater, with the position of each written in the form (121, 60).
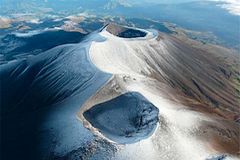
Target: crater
(124, 32)
(127, 118)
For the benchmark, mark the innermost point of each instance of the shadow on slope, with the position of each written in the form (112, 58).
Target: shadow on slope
(30, 86)
(22, 44)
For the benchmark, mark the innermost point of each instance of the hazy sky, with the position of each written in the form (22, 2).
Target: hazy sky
(233, 6)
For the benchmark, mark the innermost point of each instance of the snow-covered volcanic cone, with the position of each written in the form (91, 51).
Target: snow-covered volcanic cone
(190, 86)
(52, 102)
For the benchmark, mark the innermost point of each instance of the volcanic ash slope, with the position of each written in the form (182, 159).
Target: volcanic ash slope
(40, 96)
(197, 100)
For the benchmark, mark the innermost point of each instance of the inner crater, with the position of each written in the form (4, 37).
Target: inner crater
(125, 32)
(127, 118)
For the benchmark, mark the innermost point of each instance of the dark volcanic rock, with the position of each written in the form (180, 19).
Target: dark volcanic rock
(125, 119)
(125, 32)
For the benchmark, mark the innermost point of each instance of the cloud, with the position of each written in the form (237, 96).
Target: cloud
(34, 32)
(233, 6)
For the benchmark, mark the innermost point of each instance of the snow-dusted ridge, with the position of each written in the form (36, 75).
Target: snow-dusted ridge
(115, 46)
(149, 34)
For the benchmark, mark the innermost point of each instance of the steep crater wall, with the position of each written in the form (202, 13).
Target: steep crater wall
(124, 32)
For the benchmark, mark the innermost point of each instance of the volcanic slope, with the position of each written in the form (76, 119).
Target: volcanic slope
(184, 98)
(195, 72)
(193, 88)
(40, 96)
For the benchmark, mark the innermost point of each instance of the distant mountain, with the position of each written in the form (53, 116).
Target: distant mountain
(198, 15)
(33, 6)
